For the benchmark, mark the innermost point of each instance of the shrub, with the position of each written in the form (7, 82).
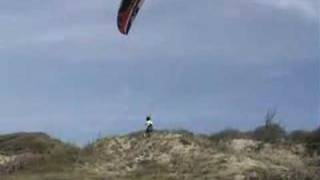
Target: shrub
(313, 142)
(228, 134)
(271, 132)
(299, 136)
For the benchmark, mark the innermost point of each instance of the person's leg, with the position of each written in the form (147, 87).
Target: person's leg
(148, 131)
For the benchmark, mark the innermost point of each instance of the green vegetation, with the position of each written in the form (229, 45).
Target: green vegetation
(313, 141)
(36, 153)
(27, 142)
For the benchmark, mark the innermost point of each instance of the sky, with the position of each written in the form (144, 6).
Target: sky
(198, 65)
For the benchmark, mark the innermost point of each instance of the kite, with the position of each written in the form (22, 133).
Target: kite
(127, 13)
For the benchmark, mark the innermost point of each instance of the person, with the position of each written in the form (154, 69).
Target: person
(149, 126)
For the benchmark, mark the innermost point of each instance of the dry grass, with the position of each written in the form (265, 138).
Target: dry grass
(164, 156)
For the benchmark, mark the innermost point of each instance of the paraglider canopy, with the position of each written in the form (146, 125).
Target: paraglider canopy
(127, 13)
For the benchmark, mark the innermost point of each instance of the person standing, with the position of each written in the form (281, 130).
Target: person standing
(149, 126)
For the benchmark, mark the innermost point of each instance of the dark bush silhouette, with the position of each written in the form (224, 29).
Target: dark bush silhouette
(228, 134)
(313, 142)
(299, 136)
(271, 132)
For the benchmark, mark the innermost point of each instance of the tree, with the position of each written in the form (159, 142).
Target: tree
(271, 132)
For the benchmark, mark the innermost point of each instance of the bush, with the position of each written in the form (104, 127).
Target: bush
(316, 135)
(299, 136)
(271, 133)
(228, 134)
(313, 142)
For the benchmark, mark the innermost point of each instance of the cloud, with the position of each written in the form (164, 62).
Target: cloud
(308, 8)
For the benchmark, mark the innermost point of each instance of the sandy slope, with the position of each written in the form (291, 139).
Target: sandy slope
(164, 156)
(169, 155)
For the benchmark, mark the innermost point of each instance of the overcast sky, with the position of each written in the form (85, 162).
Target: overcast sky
(201, 65)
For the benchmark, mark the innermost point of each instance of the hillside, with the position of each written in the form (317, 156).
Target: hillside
(19, 143)
(34, 153)
(174, 155)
